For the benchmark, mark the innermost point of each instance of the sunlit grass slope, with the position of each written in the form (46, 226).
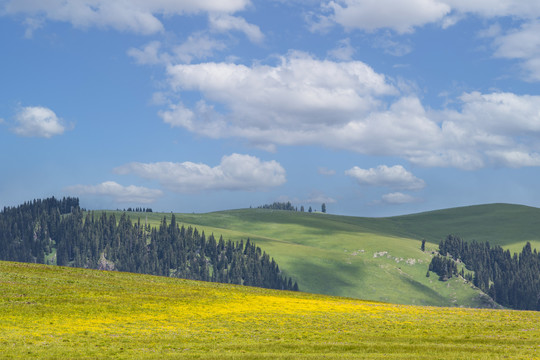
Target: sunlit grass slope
(50, 312)
(370, 258)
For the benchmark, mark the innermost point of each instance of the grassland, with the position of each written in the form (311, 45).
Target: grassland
(51, 312)
(371, 258)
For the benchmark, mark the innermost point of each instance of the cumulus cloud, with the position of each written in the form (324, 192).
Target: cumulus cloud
(123, 194)
(401, 16)
(515, 158)
(37, 121)
(394, 177)
(522, 44)
(499, 113)
(235, 172)
(347, 105)
(139, 16)
(398, 198)
(299, 91)
(405, 16)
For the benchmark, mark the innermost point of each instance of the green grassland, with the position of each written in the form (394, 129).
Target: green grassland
(50, 312)
(370, 258)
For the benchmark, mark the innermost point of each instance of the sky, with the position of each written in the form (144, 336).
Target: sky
(375, 108)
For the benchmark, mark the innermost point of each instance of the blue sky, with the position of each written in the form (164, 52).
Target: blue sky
(375, 108)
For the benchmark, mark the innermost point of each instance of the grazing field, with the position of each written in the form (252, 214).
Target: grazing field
(50, 312)
(370, 258)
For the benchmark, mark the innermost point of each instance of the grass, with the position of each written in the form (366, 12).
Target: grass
(370, 258)
(51, 312)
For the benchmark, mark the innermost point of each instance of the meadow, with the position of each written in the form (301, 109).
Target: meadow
(370, 258)
(51, 312)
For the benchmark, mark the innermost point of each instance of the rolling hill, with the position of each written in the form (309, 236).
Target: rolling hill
(372, 258)
(51, 312)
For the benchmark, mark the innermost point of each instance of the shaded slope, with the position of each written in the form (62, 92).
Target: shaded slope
(372, 258)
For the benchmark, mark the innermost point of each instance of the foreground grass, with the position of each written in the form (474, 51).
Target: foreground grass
(54, 312)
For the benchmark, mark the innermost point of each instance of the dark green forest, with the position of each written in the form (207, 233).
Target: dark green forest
(58, 232)
(510, 280)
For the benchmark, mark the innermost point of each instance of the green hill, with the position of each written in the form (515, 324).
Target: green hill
(51, 312)
(372, 258)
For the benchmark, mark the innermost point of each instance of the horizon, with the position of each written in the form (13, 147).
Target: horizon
(314, 209)
(375, 109)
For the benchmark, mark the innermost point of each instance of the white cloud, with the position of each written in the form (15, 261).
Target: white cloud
(225, 22)
(405, 16)
(235, 172)
(124, 194)
(150, 54)
(398, 198)
(346, 105)
(299, 91)
(521, 44)
(37, 121)
(394, 177)
(202, 120)
(139, 16)
(197, 46)
(500, 113)
(515, 158)
(401, 16)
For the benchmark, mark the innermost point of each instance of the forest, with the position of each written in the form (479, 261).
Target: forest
(510, 280)
(52, 231)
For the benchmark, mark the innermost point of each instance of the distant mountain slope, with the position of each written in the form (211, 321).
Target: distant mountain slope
(507, 225)
(371, 258)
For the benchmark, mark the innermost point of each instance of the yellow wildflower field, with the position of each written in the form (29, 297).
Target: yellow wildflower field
(51, 312)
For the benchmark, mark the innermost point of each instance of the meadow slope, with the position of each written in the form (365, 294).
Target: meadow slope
(371, 258)
(50, 312)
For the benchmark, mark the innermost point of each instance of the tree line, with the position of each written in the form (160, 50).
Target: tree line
(58, 232)
(510, 280)
(289, 207)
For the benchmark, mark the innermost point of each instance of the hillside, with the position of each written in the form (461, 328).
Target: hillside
(372, 258)
(51, 312)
